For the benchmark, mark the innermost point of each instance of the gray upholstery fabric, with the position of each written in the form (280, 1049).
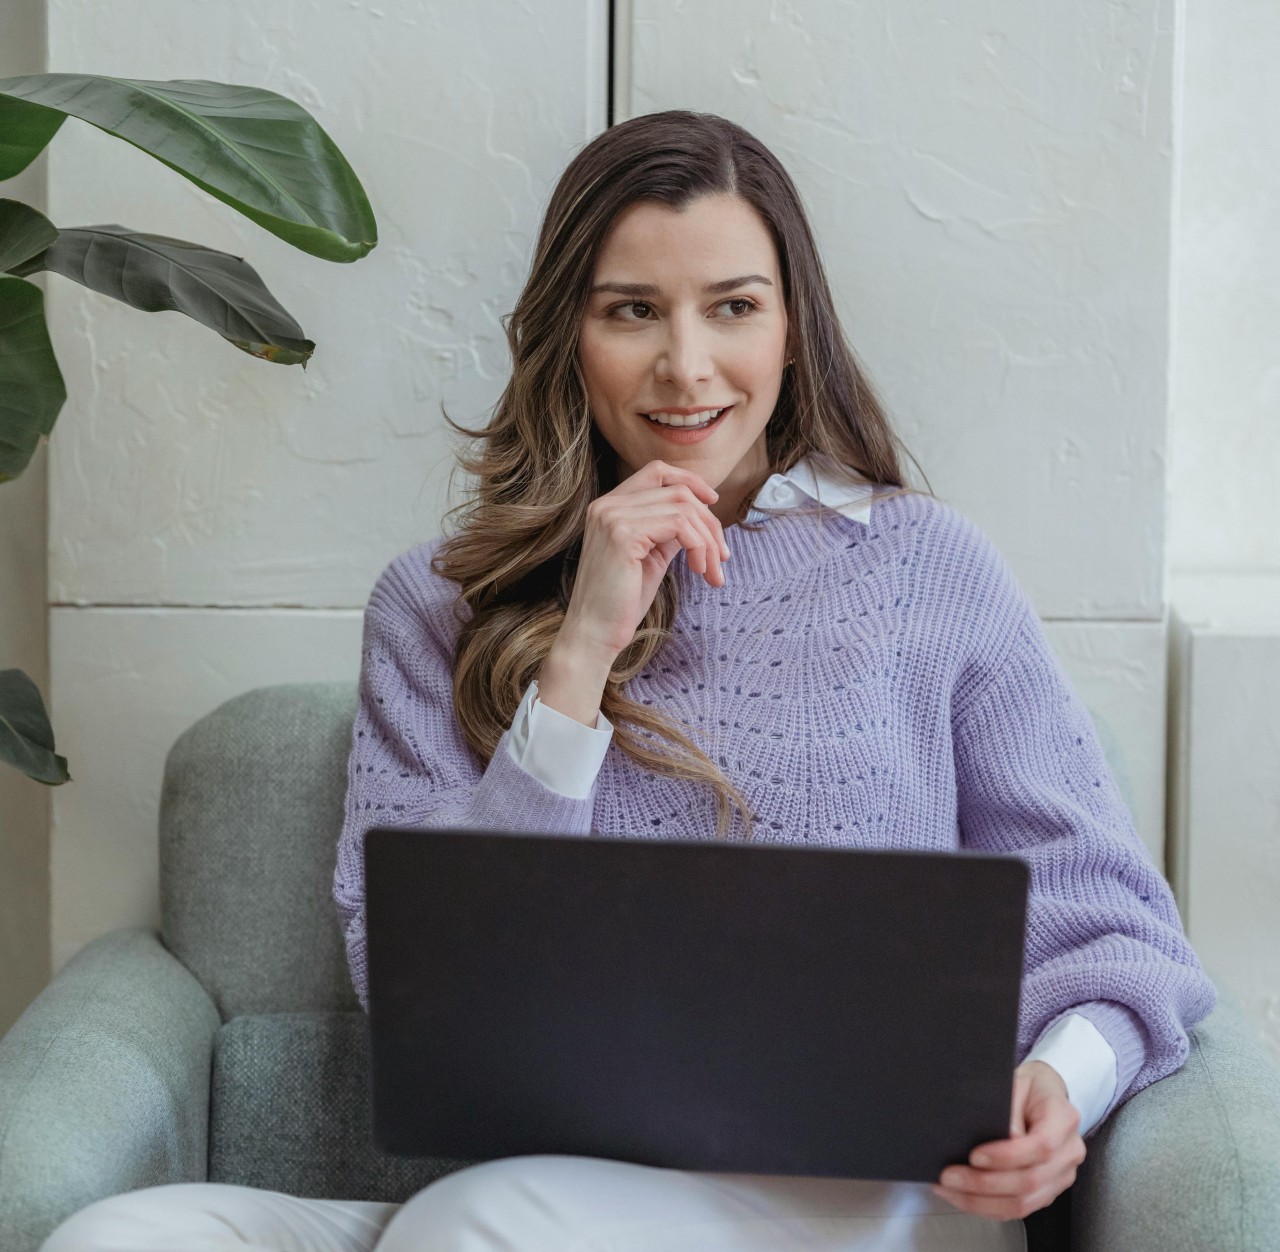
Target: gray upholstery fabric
(250, 813)
(104, 1085)
(291, 1111)
(1193, 1162)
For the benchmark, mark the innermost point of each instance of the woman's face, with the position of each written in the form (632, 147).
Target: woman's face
(686, 312)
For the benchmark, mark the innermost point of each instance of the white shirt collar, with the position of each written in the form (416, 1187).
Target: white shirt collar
(807, 481)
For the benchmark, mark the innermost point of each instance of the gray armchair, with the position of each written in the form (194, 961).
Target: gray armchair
(230, 1046)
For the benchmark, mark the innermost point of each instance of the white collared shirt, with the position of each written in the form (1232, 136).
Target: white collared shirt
(566, 755)
(807, 481)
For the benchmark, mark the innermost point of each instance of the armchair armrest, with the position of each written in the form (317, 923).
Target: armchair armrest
(1193, 1161)
(104, 1085)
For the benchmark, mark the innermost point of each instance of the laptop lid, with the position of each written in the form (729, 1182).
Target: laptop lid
(731, 1007)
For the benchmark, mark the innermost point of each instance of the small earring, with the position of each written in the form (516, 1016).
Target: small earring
(791, 361)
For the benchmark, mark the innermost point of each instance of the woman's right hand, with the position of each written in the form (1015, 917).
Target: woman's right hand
(632, 534)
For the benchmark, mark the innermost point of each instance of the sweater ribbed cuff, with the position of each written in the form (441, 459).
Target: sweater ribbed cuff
(509, 798)
(1123, 1030)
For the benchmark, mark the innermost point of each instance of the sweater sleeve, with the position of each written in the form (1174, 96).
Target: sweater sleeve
(409, 764)
(558, 750)
(1103, 936)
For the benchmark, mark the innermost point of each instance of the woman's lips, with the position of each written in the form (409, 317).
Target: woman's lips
(686, 434)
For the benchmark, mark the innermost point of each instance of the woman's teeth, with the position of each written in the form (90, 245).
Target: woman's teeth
(694, 419)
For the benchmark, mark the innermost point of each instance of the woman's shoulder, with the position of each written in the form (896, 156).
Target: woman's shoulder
(410, 593)
(936, 530)
(958, 571)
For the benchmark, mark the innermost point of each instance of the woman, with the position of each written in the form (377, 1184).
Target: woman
(690, 517)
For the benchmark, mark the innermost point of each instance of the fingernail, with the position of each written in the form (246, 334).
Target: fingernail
(981, 1158)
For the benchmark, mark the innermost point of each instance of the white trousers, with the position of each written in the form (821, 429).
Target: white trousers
(546, 1204)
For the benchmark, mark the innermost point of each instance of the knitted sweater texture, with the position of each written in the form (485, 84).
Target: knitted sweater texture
(886, 685)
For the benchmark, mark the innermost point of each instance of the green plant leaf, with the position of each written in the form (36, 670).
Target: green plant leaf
(25, 131)
(23, 233)
(26, 738)
(32, 392)
(261, 153)
(156, 274)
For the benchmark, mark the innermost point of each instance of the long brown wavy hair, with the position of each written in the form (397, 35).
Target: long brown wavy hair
(542, 460)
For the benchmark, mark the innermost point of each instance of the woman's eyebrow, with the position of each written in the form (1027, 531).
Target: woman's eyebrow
(649, 289)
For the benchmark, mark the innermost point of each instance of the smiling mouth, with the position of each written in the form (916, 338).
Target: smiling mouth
(676, 422)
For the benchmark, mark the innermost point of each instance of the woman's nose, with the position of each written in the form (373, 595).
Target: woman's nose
(686, 356)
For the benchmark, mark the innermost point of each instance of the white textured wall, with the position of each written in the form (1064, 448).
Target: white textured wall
(218, 522)
(1226, 809)
(24, 805)
(1224, 503)
(1225, 450)
(185, 472)
(990, 185)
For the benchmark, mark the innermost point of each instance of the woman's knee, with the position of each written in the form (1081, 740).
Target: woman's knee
(530, 1202)
(203, 1215)
(144, 1219)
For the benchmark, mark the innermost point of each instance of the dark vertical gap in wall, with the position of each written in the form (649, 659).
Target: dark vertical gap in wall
(613, 13)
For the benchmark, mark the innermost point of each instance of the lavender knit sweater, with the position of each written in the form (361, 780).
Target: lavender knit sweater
(887, 685)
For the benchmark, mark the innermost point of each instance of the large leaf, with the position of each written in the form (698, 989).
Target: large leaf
(32, 392)
(23, 233)
(155, 273)
(259, 152)
(26, 738)
(24, 133)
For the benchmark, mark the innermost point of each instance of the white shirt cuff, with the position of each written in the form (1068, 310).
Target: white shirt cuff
(1080, 1053)
(559, 751)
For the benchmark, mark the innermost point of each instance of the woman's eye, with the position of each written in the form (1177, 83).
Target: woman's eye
(749, 307)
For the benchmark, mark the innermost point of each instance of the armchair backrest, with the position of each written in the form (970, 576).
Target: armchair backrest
(250, 813)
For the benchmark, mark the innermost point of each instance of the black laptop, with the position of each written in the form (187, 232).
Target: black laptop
(699, 1005)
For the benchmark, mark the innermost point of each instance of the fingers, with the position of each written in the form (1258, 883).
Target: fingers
(1004, 1208)
(1017, 1113)
(718, 549)
(992, 1182)
(661, 474)
(703, 549)
(700, 536)
(698, 487)
(1009, 1194)
(669, 548)
(1058, 1124)
(689, 519)
(1010, 1178)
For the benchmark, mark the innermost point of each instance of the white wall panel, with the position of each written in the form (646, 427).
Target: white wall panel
(186, 472)
(1226, 786)
(126, 684)
(1225, 446)
(990, 186)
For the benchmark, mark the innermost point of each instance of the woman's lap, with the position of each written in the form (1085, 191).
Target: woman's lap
(546, 1204)
(203, 1216)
